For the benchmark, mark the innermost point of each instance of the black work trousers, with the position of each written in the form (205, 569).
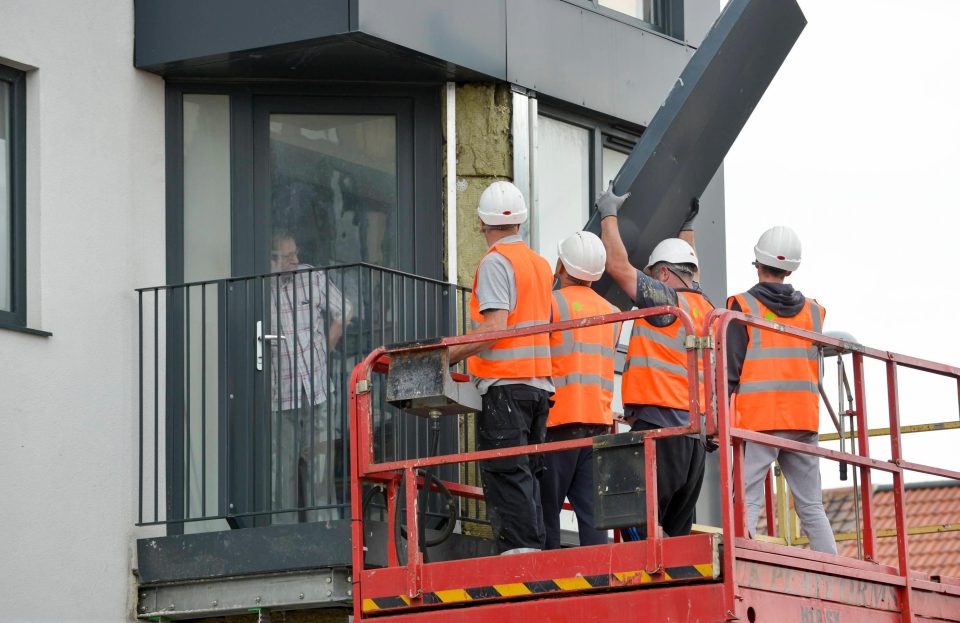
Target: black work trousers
(513, 415)
(680, 462)
(569, 474)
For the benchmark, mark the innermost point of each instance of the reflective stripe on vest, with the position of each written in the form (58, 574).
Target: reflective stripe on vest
(525, 356)
(756, 334)
(656, 370)
(583, 360)
(778, 384)
(575, 378)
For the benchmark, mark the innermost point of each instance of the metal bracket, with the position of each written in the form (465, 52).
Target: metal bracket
(363, 386)
(698, 342)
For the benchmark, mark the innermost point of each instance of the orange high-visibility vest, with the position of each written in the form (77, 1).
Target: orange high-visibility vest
(779, 383)
(583, 359)
(656, 371)
(518, 357)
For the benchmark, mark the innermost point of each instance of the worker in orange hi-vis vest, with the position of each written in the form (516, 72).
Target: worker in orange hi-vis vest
(511, 290)
(775, 378)
(583, 373)
(655, 384)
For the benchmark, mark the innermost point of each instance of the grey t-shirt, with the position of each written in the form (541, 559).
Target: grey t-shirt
(497, 289)
(653, 293)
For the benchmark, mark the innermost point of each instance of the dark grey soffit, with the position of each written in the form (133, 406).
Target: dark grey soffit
(554, 47)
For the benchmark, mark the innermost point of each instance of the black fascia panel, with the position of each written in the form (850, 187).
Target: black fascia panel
(468, 34)
(690, 135)
(270, 549)
(170, 31)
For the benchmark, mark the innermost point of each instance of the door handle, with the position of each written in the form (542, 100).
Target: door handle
(261, 338)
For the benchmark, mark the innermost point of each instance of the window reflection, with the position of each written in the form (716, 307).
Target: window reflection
(334, 184)
(334, 201)
(563, 183)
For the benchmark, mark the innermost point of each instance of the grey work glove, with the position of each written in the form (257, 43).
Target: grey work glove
(691, 215)
(609, 203)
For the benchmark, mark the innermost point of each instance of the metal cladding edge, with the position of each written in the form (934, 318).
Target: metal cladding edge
(692, 132)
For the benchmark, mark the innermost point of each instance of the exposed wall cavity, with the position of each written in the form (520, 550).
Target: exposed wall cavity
(484, 155)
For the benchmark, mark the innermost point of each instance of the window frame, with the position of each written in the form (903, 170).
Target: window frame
(16, 318)
(614, 134)
(604, 133)
(670, 13)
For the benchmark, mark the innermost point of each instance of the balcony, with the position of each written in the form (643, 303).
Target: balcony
(243, 440)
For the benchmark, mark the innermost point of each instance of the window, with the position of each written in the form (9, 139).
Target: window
(563, 183)
(663, 15)
(575, 157)
(12, 199)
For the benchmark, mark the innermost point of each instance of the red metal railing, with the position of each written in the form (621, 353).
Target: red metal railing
(364, 468)
(731, 463)
(408, 575)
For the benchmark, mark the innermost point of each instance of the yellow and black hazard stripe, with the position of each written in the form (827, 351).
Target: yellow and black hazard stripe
(540, 587)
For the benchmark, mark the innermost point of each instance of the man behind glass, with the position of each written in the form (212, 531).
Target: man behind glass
(307, 312)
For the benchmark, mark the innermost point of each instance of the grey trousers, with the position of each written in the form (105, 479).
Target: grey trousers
(299, 464)
(802, 472)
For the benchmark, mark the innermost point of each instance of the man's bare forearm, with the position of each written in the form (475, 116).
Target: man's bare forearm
(336, 332)
(618, 261)
(461, 352)
(493, 320)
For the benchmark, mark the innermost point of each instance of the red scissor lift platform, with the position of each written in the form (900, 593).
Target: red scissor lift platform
(721, 576)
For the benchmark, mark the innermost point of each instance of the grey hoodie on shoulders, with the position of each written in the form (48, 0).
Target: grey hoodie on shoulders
(782, 300)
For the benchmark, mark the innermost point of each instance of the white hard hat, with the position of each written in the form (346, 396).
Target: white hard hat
(502, 204)
(778, 247)
(674, 251)
(583, 255)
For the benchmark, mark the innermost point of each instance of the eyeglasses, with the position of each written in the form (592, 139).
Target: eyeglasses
(284, 256)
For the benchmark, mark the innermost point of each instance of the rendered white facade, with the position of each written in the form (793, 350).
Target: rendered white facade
(95, 223)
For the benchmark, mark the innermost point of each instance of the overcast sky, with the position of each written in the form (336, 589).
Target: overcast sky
(856, 145)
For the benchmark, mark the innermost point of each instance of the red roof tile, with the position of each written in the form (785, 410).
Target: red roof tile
(927, 504)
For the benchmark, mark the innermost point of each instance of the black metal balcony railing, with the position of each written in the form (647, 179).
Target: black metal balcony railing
(243, 391)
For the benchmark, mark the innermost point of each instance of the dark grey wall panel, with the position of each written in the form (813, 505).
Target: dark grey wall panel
(556, 48)
(711, 240)
(468, 33)
(712, 250)
(173, 30)
(580, 56)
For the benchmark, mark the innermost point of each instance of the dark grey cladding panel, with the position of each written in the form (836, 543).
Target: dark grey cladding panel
(467, 33)
(167, 31)
(687, 140)
(579, 56)
(558, 48)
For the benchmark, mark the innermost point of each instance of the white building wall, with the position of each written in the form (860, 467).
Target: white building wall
(68, 449)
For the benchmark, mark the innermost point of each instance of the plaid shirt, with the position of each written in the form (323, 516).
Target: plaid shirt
(318, 302)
